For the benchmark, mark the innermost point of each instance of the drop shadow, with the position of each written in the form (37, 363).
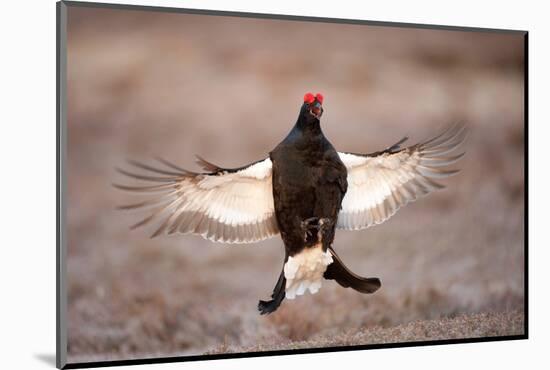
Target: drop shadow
(47, 358)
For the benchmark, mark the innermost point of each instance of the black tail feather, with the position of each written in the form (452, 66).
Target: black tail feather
(343, 276)
(278, 295)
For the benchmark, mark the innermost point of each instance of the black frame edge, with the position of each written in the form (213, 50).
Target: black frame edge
(526, 183)
(224, 356)
(61, 268)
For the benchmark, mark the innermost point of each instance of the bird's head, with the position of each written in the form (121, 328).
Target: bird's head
(312, 109)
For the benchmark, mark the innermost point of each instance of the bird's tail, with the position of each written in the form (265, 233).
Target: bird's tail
(343, 276)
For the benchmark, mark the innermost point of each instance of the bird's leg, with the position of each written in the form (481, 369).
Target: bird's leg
(324, 224)
(309, 226)
(325, 227)
(316, 224)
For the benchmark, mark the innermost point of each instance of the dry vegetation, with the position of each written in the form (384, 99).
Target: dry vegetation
(143, 84)
(481, 325)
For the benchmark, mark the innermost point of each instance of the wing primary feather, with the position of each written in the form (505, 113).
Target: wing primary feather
(142, 222)
(223, 232)
(422, 188)
(448, 147)
(440, 161)
(153, 215)
(161, 228)
(247, 232)
(175, 167)
(212, 229)
(256, 231)
(202, 227)
(177, 222)
(397, 145)
(431, 184)
(388, 209)
(436, 139)
(152, 169)
(207, 166)
(436, 172)
(375, 213)
(148, 178)
(146, 189)
(455, 137)
(146, 203)
(253, 231)
(382, 211)
(188, 223)
(408, 191)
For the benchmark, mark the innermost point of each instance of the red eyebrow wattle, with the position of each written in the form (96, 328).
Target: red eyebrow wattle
(319, 97)
(309, 98)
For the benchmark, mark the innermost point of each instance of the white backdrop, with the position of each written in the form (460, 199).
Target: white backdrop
(28, 181)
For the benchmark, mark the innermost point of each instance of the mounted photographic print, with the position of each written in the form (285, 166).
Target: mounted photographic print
(235, 184)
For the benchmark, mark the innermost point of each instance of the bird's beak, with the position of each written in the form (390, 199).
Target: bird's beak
(316, 110)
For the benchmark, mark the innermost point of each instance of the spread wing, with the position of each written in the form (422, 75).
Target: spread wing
(382, 182)
(223, 205)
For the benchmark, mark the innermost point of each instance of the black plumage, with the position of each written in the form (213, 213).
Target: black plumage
(304, 190)
(309, 183)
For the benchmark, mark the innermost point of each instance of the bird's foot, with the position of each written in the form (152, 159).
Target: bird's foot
(315, 225)
(309, 227)
(325, 227)
(325, 223)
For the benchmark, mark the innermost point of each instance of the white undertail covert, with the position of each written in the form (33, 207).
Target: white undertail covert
(305, 271)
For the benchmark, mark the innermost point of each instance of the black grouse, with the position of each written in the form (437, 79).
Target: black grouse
(303, 190)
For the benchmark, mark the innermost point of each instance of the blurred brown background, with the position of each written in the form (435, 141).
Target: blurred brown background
(145, 84)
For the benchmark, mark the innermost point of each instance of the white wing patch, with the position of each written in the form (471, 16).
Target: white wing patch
(379, 184)
(231, 206)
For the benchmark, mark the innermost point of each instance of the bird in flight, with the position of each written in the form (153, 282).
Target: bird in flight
(303, 190)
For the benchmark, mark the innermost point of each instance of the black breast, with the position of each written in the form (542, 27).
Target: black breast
(309, 181)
